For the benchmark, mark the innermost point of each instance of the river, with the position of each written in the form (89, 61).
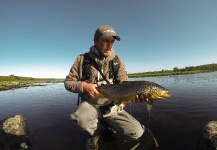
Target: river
(176, 123)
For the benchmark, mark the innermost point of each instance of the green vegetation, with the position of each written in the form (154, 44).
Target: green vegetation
(177, 71)
(9, 82)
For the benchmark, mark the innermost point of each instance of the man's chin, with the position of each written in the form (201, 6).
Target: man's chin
(106, 53)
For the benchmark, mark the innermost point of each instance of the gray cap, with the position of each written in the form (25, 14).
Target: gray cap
(106, 31)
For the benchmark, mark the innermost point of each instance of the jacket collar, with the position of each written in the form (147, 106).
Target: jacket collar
(95, 55)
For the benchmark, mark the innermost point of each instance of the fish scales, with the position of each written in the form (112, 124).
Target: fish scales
(113, 90)
(127, 90)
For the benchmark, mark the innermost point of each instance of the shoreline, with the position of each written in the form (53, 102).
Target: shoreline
(169, 73)
(21, 84)
(14, 82)
(18, 85)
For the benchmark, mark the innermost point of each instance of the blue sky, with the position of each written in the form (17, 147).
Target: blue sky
(42, 38)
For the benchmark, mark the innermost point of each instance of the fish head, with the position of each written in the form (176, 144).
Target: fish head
(159, 92)
(160, 95)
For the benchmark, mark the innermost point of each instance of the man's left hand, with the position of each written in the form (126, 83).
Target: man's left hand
(139, 99)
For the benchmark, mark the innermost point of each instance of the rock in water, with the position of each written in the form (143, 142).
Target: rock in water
(14, 133)
(208, 140)
(16, 125)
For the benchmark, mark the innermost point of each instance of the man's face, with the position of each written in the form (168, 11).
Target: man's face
(105, 45)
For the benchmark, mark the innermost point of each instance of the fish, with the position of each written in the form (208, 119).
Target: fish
(127, 90)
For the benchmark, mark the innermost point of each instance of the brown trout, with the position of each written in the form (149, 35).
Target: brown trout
(127, 90)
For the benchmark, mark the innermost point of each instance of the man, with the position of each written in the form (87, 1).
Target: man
(92, 110)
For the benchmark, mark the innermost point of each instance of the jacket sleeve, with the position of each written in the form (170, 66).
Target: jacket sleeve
(73, 82)
(121, 73)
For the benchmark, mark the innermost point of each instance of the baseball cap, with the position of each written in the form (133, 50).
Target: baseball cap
(106, 31)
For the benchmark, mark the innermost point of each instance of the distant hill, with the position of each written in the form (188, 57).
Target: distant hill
(177, 71)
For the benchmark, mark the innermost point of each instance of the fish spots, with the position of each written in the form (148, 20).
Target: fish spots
(132, 88)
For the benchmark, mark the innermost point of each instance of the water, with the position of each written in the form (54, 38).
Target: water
(176, 123)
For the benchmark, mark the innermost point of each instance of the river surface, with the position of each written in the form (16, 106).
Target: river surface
(176, 123)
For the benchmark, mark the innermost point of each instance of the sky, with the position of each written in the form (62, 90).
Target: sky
(42, 38)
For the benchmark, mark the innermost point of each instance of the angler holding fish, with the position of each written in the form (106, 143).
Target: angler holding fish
(100, 78)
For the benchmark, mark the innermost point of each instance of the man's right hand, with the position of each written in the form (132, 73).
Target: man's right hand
(90, 89)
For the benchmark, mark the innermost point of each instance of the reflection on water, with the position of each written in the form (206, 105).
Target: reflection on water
(176, 123)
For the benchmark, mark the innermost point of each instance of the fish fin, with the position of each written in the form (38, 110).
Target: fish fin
(125, 82)
(149, 105)
(100, 96)
(126, 99)
(103, 96)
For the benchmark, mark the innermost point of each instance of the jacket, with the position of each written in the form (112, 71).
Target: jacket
(73, 81)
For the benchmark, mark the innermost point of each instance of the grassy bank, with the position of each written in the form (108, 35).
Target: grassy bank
(168, 73)
(177, 71)
(10, 82)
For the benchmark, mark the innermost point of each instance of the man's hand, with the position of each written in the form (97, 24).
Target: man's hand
(139, 99)
(90, 89)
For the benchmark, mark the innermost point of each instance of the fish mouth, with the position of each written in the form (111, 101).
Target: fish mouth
(161, 95)
(166, 94)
